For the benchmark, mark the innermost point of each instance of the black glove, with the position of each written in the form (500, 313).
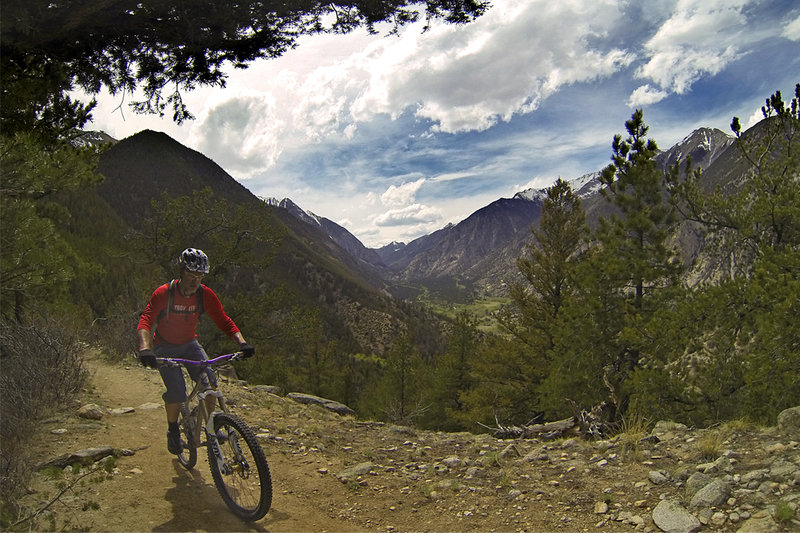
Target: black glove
(148, 358)
(247, 350)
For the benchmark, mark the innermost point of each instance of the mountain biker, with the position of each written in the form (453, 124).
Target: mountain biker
(167, 328)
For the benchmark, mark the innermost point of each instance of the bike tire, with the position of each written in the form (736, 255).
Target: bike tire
(247, 489)
(188, 456)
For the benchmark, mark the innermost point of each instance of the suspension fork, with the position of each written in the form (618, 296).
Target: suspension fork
(212, 432)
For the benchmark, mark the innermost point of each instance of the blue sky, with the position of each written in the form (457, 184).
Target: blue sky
(394, 137)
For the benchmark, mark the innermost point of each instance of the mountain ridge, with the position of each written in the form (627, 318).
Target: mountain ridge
(480, 250)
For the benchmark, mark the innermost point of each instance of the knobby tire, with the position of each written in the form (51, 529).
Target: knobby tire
(247, 490)
(188, 456)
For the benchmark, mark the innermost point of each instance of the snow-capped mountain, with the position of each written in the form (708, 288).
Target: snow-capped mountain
(337, 233)
(584, 186)
(482, 249)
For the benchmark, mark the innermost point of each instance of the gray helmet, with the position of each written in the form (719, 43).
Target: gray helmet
(194, 259)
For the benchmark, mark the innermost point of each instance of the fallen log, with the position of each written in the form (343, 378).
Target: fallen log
(547, 431)
(588, 424)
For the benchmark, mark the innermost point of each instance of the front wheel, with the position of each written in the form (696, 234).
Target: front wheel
(188, 455)
(241, 474)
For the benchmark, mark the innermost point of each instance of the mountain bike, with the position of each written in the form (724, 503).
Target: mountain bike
(236, 459)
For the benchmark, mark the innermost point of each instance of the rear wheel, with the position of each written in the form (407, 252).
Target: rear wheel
(188, 455)
(243, 479)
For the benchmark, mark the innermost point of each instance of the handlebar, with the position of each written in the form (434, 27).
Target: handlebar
(173, 361)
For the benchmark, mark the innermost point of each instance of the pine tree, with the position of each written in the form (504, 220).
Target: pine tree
(629, 274)
(403, 388)
(732, 345)
(37, 262)
(453, 374)
(548, 267)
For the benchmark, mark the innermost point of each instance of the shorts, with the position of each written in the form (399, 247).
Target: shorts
(173, 376)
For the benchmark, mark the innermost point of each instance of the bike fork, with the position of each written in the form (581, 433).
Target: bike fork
(211, 435)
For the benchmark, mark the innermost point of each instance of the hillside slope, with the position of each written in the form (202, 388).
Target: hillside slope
(308, 263)
(336, 473)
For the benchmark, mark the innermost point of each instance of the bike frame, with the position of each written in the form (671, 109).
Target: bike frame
(199, 415)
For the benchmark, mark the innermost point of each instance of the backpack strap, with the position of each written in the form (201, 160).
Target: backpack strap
(164, 314)
(200, 306)
(171, 300)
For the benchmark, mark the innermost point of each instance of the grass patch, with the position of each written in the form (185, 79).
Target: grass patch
(633, 429)
(784, 512)
(709, 445)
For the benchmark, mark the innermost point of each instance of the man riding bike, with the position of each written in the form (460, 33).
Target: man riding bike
(168, 328)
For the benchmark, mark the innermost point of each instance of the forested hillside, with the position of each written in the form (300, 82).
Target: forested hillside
(76, 268)
(609, 311)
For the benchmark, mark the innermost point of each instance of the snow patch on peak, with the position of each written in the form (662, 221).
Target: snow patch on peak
(584, 186)
(294, 209)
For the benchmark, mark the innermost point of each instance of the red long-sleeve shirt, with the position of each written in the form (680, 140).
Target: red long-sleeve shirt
(179, 326)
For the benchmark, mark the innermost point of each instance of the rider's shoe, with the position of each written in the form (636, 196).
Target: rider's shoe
(174, 442)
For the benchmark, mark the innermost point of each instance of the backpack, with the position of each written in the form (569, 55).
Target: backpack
(165, 312)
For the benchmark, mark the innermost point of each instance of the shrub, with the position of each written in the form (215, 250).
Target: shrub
(42, 370)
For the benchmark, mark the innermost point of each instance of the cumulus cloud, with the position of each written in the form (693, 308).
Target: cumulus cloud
(792, 30)
(241, 134)
(403, 194)
(468, 78)
(411, 214)
(646, 95)
(697, 40)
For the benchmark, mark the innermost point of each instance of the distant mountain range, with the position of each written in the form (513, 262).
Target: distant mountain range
(475, 257)
(480, 252)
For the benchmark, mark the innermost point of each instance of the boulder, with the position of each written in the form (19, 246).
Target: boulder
(672, 517)
(336, 407)
(353, 472)
(789, 421)
(713, 494)
(91, 411)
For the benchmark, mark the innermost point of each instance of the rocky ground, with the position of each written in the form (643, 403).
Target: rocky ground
(337, 473)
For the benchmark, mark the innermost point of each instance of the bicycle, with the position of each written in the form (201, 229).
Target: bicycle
(241, 473)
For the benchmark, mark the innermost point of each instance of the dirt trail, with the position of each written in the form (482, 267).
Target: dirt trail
(152, 491)
(334, 473)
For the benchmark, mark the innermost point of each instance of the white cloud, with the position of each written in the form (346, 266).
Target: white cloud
(646, 95)
(700, 38)
(402, 195)
(468, 78)
(756, 117)
(241, 134)
(411, 214)
(792, 30)
(460, 77)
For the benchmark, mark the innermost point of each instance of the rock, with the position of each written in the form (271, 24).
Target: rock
(353, 472)
(600, 508)
(91, 411)
(149, 406)
(789, 421)
(510, 449)
(672, 517)
(697, 481)
(451, 462)
(664, 426)
(719, 519)
(336, 407)
(86, 456)
(656, 477)
(713, 494)
(271, 389)
(782, 469)
(723, 464)
(760, 524)
(122, 411)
